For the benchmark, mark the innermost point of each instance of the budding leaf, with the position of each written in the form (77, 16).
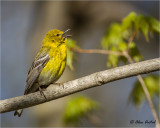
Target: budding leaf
(134, 52)
(128, 21)
(70, 54)
(78, 107)
(137, 95)
(143, 26)
(154, 24)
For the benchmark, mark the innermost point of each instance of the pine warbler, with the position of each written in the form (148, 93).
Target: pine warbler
(49, 63)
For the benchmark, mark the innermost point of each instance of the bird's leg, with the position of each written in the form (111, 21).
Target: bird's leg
(41, 92)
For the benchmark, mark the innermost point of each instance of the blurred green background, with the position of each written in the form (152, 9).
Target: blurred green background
(23, 27)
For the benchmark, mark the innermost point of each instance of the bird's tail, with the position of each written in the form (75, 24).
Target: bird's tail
(18, 112)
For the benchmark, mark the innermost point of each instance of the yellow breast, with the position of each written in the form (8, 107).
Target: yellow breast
(55, 66)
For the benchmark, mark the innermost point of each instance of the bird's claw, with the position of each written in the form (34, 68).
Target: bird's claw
(42, 93)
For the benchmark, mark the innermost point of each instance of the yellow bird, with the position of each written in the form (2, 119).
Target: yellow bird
(49, 63)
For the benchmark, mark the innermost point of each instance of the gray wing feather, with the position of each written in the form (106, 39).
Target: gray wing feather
(35, 70)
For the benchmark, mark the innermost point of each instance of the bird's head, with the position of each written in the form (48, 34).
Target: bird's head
(56, 37)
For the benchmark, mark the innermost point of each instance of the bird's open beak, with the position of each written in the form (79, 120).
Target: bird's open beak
(66, 32)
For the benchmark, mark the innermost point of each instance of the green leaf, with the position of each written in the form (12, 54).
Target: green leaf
(143, 26)
(78, 107)
(137, 22)
(154, 24)
(118, 34)
(113, 36)
(122, 46)
(112, 59)
(134, 52)
(128, 21)
(71, 43)
(137, 95)
(105, 43)
(146, 25)
(70, 54)
(126, 34)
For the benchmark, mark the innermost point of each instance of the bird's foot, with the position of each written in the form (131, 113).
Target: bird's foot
(42, 93)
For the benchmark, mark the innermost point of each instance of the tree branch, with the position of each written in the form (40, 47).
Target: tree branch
(54, 91)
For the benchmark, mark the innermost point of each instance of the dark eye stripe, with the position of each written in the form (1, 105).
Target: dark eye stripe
(57, 35)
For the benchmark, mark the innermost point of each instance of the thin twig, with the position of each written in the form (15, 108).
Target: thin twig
(97, 51)
(149, 100)
(131, 39)
(145, 91)
(130, 60)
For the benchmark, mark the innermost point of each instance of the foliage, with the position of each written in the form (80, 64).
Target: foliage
(70, 54)
(117, 36)
(134, 52)
(78, 107)
(137, 95)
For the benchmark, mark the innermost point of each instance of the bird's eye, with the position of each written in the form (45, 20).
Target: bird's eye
(57, 35)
